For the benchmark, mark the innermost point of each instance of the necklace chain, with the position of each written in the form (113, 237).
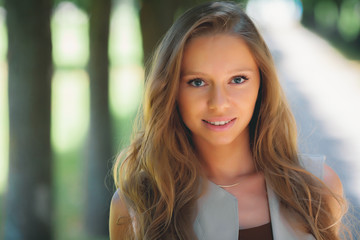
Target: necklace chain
(227, 186)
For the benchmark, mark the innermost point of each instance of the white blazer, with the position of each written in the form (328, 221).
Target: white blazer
(217, 217)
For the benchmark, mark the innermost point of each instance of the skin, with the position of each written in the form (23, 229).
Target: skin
(219, 83)
(118, 209)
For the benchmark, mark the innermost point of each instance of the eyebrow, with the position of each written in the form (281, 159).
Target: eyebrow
(235, 71)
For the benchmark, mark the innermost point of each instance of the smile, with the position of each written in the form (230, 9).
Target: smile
(218, 123)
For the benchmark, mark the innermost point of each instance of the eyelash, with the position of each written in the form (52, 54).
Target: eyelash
(195, 79)
(243, 77)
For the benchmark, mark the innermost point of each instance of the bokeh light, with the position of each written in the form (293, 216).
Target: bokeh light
(4, 121)
(277, 13)
(70, 109)
(70, 36)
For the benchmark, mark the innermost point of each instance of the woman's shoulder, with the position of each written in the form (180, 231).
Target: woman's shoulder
(118, 205)
(119, 218)
(332, 180)
(313, 164)
(317, 166)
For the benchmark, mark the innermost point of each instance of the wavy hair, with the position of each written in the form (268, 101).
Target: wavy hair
(159, 174)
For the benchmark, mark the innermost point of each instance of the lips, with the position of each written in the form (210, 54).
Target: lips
(219, 122)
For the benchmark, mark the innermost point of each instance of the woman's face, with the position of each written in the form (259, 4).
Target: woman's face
(218, 89)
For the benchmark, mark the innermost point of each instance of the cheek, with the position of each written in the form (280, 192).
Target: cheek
(183, 104)
(244, 103)
(188, 108)
(246, 98)
(252, 104)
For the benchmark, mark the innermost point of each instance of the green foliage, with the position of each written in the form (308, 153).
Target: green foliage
(338, 21)
(326, 14)
(343, 16)
(349, 20)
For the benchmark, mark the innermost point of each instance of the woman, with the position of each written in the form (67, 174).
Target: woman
(215, 153)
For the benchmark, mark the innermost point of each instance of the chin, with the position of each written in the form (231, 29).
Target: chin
(221, 142)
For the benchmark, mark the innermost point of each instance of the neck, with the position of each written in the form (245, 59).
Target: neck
(226, 164)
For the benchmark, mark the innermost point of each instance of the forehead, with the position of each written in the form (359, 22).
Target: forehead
(218, 50)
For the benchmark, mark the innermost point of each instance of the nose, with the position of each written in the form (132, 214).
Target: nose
(218, 99)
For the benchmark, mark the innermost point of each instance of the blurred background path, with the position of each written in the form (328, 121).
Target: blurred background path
(323, 88)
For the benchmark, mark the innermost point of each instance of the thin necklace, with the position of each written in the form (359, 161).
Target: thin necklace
(228, 186)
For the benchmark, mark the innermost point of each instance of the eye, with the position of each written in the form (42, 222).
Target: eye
(197, 82)
(239, 79)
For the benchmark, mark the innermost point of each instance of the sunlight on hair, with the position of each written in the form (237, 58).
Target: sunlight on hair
(69, 27)
(70, 109)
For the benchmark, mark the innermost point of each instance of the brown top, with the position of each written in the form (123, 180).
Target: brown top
(263, 232)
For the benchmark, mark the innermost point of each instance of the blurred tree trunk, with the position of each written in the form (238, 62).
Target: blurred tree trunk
(29, 194)
(99, 149)
(156, 17)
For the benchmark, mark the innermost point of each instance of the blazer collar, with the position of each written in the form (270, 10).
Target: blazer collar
(281, 228)
(218, 217)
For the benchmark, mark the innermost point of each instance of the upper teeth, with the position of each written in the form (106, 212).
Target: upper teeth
(220, 123)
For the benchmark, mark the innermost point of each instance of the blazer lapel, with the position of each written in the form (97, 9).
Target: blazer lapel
(281, 228)
(217, 215)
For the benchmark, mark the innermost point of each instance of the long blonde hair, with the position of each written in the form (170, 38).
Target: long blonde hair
(159, 173)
